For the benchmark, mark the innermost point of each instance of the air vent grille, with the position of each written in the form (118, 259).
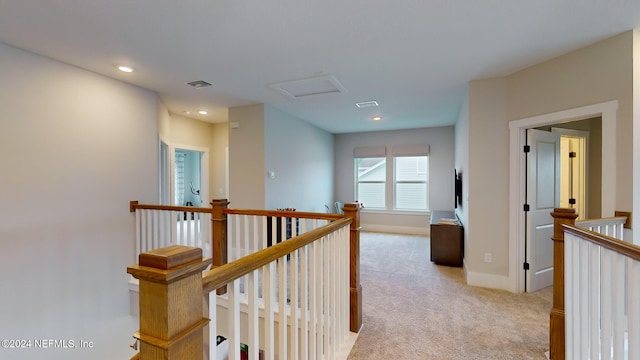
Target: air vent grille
(199, 84)
(365, 104)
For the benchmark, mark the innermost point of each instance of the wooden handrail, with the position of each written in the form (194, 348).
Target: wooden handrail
(619, 246)
(222, 275)
(284, 213)
(134, 205)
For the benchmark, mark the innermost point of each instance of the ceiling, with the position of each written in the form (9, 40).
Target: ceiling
(414, 57)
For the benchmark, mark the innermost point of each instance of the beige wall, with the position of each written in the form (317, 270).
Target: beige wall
(246, 157)
(488, 178)
(595, 74)
(219, 154)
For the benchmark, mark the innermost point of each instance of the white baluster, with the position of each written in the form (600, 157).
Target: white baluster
(583, 298)
(618, 307)
(304, 303)
(293, 305)
(594, 297)
(326, 296)
(213, 326)
(233, 321)
(568, 297)
(633, 284)
(269, 323)
(607, 303)
(139, 247)
(253, 315)
(282, 302)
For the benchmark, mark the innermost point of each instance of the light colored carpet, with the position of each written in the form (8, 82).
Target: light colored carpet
(414, 309)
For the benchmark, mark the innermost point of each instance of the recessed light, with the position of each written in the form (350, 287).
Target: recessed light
(126, 69)
(202, 112)
(377, 118)
(187, 112)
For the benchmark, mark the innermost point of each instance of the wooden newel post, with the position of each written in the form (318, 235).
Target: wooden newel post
(556, 321)
(355, 300)
(219, 233)
(171, 319)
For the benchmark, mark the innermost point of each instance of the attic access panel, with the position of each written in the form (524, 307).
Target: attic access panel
(321, 85)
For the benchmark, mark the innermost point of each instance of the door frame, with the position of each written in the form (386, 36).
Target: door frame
(204, 172)
(517, 167)
(164, 172)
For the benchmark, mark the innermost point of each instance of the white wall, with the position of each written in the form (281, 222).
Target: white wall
(301, 157)
(441, 165)
(76, 148)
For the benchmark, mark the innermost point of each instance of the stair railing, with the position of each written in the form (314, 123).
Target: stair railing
(329, 293)
(595, 311)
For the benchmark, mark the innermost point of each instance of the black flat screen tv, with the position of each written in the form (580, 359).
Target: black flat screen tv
(457, 181)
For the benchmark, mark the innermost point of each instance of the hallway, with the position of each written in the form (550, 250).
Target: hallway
(414, 309)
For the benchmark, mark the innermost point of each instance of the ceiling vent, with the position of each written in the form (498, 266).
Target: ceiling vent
(321, 85)
(365, 104)
(199, 84)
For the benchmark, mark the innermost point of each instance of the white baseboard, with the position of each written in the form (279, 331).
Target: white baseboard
(410, 230)
(491, 281)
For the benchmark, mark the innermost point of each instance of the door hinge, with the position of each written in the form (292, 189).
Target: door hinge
(527, 148)
(572, 154)
(525, 266)
(572, 201)
(526, 207)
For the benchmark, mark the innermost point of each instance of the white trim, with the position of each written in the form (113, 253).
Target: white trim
(517, 164)
(410, 230)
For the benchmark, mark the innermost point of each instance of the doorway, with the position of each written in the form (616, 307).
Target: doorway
(517, 189)
(189, 175)
(574, 171)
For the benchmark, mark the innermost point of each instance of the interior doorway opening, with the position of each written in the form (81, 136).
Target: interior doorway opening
(603, 179)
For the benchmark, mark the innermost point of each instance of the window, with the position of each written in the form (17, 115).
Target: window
(371, 174)
(402, 186)
(411, 182)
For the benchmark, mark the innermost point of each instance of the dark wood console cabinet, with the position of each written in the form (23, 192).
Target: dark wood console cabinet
(447, 240)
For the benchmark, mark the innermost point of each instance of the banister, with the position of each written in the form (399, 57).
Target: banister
(284, 213)
(221, 275)
(622, 247)
(134, 205)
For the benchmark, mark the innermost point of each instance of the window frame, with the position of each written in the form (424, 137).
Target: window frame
(357, 181)
(395, 182)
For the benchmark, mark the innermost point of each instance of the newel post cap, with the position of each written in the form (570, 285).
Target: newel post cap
(169, 264)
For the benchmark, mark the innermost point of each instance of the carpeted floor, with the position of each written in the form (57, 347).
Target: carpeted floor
(414, 309)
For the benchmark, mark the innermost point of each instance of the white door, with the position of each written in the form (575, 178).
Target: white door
(543, 195)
